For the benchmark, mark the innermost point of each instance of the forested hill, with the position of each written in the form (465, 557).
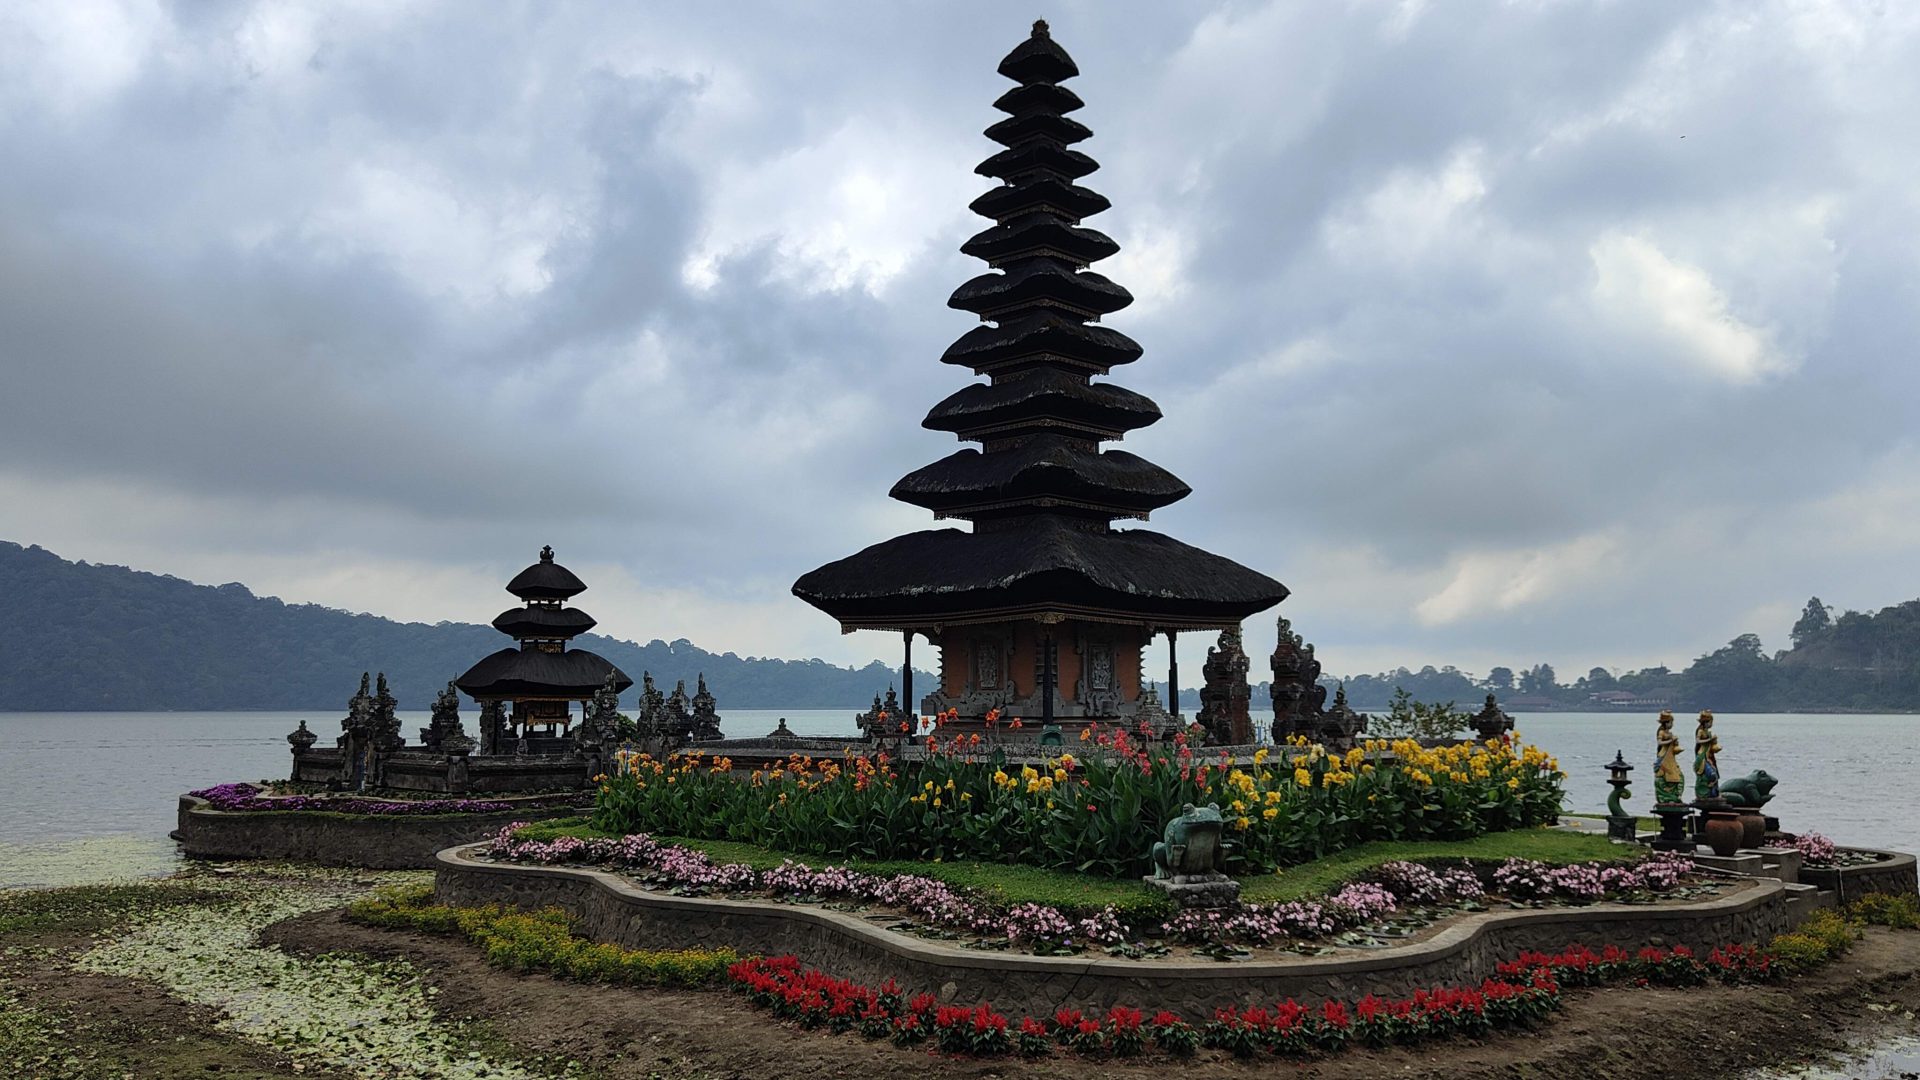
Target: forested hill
(80, 636)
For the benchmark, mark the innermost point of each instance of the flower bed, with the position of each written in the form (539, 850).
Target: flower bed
(1523, 992)
(1097, 813)
(1399, 896)
(248, 798)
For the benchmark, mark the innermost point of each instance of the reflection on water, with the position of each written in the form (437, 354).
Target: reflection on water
(1894, 1059)
(71, 777)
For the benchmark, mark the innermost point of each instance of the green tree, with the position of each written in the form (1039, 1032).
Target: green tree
(1815, 621)
(1500, 678)
(1539, 679)
(1410, 719)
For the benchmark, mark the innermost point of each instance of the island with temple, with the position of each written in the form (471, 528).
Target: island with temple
(1037, 855)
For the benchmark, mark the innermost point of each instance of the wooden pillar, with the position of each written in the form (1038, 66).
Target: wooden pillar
(1173, 677)
(1046, 679)
(912, 719)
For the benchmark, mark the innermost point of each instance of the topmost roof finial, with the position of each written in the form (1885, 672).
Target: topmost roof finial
(546, 553)
(1039, 28)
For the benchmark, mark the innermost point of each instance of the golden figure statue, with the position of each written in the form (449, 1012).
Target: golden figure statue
(1669, 783)
(1706, 759)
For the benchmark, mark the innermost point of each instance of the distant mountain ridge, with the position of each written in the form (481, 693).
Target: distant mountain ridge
(76, 636)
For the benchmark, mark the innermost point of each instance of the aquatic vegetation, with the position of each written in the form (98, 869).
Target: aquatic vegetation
(360, 1016)
(1097, 812)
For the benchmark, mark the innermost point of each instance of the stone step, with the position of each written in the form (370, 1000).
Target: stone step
(1748, 863)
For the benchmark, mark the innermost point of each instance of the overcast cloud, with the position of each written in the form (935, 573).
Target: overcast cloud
(1577, 332)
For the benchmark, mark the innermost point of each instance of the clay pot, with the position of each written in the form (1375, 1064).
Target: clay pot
(1753, 827)
(1723, 832)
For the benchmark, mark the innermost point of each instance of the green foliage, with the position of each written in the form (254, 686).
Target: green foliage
(1325, 875)
(1410, 719)
(1823, 936)
(539, 941)
(1100, 815)
(1899, 911)
(106, 637)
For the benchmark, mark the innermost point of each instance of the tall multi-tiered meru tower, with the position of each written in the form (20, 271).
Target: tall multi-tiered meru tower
(1044, 609)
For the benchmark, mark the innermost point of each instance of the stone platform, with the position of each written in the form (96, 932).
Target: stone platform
(609, 908)
(369, 841)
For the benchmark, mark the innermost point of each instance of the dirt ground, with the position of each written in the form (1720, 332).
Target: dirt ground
(1621, 1034)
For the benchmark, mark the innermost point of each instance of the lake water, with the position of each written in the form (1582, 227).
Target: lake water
(85, 792)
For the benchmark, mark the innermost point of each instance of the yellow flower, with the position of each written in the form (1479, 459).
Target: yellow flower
(1242, 821)
(1270, 813)
(1513, 783)
(936, 801)
(1260, 756)
(1303, 777)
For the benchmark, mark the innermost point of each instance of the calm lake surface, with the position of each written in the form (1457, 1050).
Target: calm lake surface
(83, 793)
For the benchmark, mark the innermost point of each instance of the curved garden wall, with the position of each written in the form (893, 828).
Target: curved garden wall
(1893, 873)
(609, 909)
(372, 841)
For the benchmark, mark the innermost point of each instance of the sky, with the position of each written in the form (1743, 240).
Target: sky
(1501, 333)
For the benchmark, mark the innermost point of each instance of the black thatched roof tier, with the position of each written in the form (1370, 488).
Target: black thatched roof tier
(1042, 471)
(1042, 338)
(546, 580)
(1038, 59)
(1038, 160)
(532, 673)
(1040, 283)
(1038, 566)
(543, 622)
(1039, 98)
(1033, 235)
(1039, 124)
(1070, 201)
(1042, 400)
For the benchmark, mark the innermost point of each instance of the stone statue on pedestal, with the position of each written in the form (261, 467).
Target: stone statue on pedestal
(1491, 721)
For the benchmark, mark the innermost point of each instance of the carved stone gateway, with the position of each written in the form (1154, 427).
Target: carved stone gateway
(1224, 696)
(1298, 697)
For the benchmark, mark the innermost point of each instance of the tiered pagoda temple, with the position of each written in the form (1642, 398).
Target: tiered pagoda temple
(1043, 609)
(542, 677)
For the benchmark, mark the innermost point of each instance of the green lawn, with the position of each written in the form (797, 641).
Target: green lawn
(1328, 873)
(1078, 892)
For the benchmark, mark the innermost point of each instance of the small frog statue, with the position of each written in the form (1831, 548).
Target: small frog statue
(1706, 758)
(1191, 847)
(1669, 783)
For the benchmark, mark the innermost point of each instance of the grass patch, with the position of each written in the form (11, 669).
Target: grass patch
(1326, 874)
(1644, 824)
(89, 908)
(539, 941)
(997, 883)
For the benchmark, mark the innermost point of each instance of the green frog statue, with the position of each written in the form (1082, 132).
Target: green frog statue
(1189, 860)
(1191, 845)
(1753, 789)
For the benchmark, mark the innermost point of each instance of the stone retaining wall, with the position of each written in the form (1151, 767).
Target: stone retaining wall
(609, 909)
(372, 841)
(1894, 873)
